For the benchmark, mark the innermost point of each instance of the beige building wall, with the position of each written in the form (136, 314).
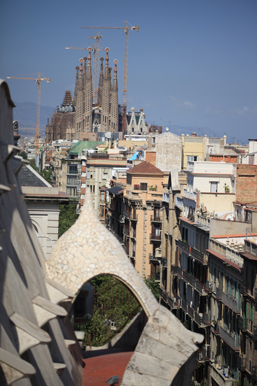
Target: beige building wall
(194, 147)
(147, 238)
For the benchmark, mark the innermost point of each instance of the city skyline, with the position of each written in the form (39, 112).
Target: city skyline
(192, 64)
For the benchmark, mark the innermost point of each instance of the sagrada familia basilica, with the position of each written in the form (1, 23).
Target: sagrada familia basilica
(90, 110)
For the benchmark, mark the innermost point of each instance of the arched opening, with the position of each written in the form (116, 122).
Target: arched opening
(106, 314)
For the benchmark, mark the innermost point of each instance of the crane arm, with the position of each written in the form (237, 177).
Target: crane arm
(18, 77)
(124, 28)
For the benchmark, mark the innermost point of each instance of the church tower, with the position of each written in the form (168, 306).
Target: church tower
(106, 95)
(80, 102)
(114, 111)
(88, 96)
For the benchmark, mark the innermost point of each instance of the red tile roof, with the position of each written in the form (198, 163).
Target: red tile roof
(99, 369)
(145, 168)
(236, 235)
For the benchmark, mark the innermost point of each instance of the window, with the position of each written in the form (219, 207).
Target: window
(102, 196)
(73, 169)
(214, 187)
(72, 180)
(71, 191)
(157, 231)
(129, 179)
(192, 158)
(143, 186)
(105, 175)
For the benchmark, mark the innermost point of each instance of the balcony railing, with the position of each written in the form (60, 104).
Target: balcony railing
(191, 312)
(155, 219)
(230, 302)
(126, 213)
(206, 352)
(154, 236)
(199, 255)
(231, 341)
(183, 245)
(126, 231)
(199, 318)
(163, 294)
(173, 303)
(184, 305)
(153, 258)
(179, 271)
(133, 216)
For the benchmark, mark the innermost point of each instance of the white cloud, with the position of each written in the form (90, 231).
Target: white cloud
(181, 104)
(243, 111)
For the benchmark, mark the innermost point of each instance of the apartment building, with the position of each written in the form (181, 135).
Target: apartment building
(143, 216)
(196, 148)
(98, 170)
(248, 318)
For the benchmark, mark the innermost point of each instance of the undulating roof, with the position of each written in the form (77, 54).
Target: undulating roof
(145, 168)
(81, 145)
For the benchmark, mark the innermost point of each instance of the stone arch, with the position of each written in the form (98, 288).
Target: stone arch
(88, 249)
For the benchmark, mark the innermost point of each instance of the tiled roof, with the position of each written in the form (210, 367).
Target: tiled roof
(81, 145)
(29, 177)
(145, 168)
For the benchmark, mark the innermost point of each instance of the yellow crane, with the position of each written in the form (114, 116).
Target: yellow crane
(38, 81)
(126, 31)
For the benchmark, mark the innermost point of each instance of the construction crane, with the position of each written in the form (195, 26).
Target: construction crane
(126, 31)
(38, 81)
(95, 62)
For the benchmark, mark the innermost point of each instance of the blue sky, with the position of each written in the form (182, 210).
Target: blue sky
(192, 64)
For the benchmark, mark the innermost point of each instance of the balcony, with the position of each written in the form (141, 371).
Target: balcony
(218, 374)
(155, 237)
(183, 245)
(230, 302)
(173, 303)
(184, 305)
(199, 255)
(206, 352)
(186, 276)
(156, 219)
(191, 312)
(166, 197)
(133, 216)
(207, 318)
(241, 362)
(179, 271)
(199, 318)
(134, 234)
(126, 213)
(153, 259)
(163, 294)
(233, 342)
(190, 195)
(126, 232)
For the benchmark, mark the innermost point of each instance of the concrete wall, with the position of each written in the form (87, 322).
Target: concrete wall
(168, 151)
(223, 227)
(217, 202)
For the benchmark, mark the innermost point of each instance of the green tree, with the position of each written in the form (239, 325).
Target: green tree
(47, 175)
(23, 154)
(153, 286)
(114, 307)
(67, 216)
(33, 164)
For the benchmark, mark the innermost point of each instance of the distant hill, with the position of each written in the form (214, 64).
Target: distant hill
(26, 115)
